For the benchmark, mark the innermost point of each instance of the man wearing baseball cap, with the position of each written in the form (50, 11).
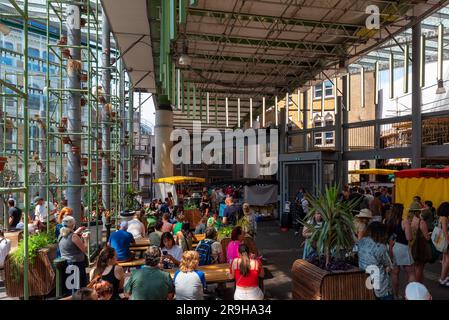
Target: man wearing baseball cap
(417, 291)
(120, 241)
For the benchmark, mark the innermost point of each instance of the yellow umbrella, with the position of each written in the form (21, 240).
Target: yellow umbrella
(384, 172)
(179, 180)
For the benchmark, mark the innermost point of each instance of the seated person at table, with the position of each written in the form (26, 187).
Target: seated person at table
(189, 282)
(184, 237)
(171, 253)
(104, 290)
(150, 283)
(136, 227)
(85, 294)
(214, 221)
(180, 218)
(120, 241)
(106, 268)
(237, 236)
(166, 225)
(246, 270)
(164, 208)
(209, 249)
(155, 237)
(201, 228)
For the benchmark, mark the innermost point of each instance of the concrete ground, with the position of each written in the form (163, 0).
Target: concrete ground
(281, 249)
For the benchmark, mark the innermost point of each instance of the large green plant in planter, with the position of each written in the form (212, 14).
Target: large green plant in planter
(335, 238)
(225, 231)
(130, 202)
(35, 243)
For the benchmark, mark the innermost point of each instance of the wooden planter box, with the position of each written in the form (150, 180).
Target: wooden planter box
(193, 216)
(313, 283)
(41, 275)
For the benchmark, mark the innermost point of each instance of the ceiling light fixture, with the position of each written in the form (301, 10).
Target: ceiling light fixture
(184, 59)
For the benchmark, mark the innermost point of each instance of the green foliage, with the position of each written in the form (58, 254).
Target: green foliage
(336, 234)
(225, 231)
(35, 242)
(130, 202)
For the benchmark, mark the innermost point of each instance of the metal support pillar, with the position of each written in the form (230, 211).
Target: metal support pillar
(305, 120)
(339, 136)
(43, 154)
(416, 97)
(162, 130)
(105, 125)
(131, 137)
(345, 135)
(74, 111)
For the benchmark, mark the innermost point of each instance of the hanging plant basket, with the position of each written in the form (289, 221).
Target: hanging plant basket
(62, 41)
(66, 53)
(66, 140)
(76, 149)
(83, 77)
(3, 161)
(107, 108)
(61, 129)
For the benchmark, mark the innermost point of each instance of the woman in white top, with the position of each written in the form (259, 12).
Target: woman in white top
(171, 252)
(136, 228)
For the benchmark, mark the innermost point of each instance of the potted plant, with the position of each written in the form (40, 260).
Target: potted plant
(66, 140)
(130, 203)
(41, 275)
(330, 274)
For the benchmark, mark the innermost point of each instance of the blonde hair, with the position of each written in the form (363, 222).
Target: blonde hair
(68, 223)
(190, 261)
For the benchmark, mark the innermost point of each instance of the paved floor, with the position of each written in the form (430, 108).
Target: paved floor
(281, 249)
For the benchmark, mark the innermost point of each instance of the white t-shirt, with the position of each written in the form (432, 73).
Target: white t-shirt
(40, 213)
(175, 252)
(216, 251)
(5, 247)
(136, 228)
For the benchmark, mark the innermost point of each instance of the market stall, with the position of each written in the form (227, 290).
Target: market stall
(177, 186)
(260, 194)
(429, 184)
(373, 173)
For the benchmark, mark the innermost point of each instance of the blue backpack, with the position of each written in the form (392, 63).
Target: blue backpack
(204, 250)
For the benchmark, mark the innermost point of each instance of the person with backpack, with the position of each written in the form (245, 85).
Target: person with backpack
(209, 249)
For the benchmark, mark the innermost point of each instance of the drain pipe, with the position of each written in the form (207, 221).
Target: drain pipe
(74, 111)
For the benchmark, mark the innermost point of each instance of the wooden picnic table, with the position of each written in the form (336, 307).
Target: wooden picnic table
(142, 248)
(199, 237)
(214, 273)
(141, 243)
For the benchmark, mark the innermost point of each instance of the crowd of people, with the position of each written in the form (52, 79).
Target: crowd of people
(391, 237)
(170, 236)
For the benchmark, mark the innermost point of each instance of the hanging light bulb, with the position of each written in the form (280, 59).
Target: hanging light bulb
(184, 59)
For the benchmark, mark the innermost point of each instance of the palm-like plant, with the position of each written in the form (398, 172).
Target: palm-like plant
(336, 233)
